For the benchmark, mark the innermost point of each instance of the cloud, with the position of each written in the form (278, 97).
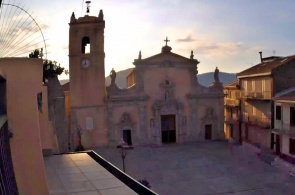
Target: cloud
(219, 49)
(187, 39)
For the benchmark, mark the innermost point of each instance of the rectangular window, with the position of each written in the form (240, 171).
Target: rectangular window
(292, 116)
(253, 85)
(263, 85)
(292, 146)
(278, 112)
(245, 85)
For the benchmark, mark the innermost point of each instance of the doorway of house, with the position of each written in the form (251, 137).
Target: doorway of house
(127, 136)
(278, 144)
(168, 128)
(208, 132)
(231, 131)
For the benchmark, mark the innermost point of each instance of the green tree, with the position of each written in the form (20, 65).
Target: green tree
(50, 68)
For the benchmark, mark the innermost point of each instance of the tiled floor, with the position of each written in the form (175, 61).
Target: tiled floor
(79, 174)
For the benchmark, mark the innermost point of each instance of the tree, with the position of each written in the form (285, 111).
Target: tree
(50, 68)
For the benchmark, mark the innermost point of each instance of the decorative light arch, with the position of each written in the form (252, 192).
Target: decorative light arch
(11, 45)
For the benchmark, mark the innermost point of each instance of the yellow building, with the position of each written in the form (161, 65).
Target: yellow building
(232, 111)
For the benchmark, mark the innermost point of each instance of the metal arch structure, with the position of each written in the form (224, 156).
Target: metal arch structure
(10, 44)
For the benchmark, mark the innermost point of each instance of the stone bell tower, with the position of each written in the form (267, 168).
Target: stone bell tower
(87, 79)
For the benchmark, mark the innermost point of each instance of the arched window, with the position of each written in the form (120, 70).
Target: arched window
(85, 45)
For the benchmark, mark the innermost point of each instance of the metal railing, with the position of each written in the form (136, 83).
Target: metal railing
(265, 95)
(259, 121)
(7, 180)
(285, 128)
(230, 120)
(232, 102)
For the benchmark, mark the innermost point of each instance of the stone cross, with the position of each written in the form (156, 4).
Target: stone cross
(166, 40)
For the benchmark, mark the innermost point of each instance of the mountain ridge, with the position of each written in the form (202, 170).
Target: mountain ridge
(205, 79)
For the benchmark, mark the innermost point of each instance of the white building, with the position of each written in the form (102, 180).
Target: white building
(283, 134)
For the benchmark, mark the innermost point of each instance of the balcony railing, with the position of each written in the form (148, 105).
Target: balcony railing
(259, 121)
(232, 102)
(263, 95)
(230, 120)
(7, 178)
(285, 128)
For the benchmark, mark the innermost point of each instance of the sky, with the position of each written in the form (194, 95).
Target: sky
(227, 34)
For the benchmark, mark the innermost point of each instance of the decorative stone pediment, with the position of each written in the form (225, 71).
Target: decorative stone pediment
(161, 58)
(126, 120)
(209, 115)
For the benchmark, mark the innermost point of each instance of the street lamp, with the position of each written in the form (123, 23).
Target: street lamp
(123, 146)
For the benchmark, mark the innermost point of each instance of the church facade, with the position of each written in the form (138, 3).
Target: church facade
(163, 103)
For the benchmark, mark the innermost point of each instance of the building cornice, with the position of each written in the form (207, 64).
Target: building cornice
(254, 75)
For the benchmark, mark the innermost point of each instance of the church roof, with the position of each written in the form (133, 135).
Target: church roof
(165, 55)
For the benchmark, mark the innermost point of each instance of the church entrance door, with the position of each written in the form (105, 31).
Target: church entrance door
(208, 132)
(168, 128)
(127, 136)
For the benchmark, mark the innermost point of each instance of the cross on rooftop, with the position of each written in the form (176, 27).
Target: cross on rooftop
(166, 40)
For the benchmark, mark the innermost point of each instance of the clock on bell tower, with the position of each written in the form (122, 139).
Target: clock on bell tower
(86, 60)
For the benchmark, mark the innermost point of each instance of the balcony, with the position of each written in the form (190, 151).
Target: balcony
(232, 102)
(259, 121)
(260, 95)
(284, 128)
(230, 120)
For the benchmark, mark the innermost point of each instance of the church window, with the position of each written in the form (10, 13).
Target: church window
(278, 112)
(85, 45)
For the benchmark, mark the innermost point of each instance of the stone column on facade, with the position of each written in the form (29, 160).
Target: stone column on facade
(221, 118)
(193, 134)
(158, 127)
(183, 122)
(143, 123)
(180, 123)
(112, 141)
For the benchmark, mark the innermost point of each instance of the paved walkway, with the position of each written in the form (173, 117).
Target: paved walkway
(203, 168)
(79, 174)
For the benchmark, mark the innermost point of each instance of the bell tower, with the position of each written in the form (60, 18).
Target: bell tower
(87, 78)
(86, 55)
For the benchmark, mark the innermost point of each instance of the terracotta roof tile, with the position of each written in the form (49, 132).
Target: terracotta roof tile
(266, 66)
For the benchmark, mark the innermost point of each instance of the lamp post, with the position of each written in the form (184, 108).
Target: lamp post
(123, 146)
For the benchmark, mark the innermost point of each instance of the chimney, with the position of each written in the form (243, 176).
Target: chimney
(260, 56)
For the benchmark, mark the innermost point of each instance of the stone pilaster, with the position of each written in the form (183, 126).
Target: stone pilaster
(110, 118)
(143, 123)
(193, 134)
